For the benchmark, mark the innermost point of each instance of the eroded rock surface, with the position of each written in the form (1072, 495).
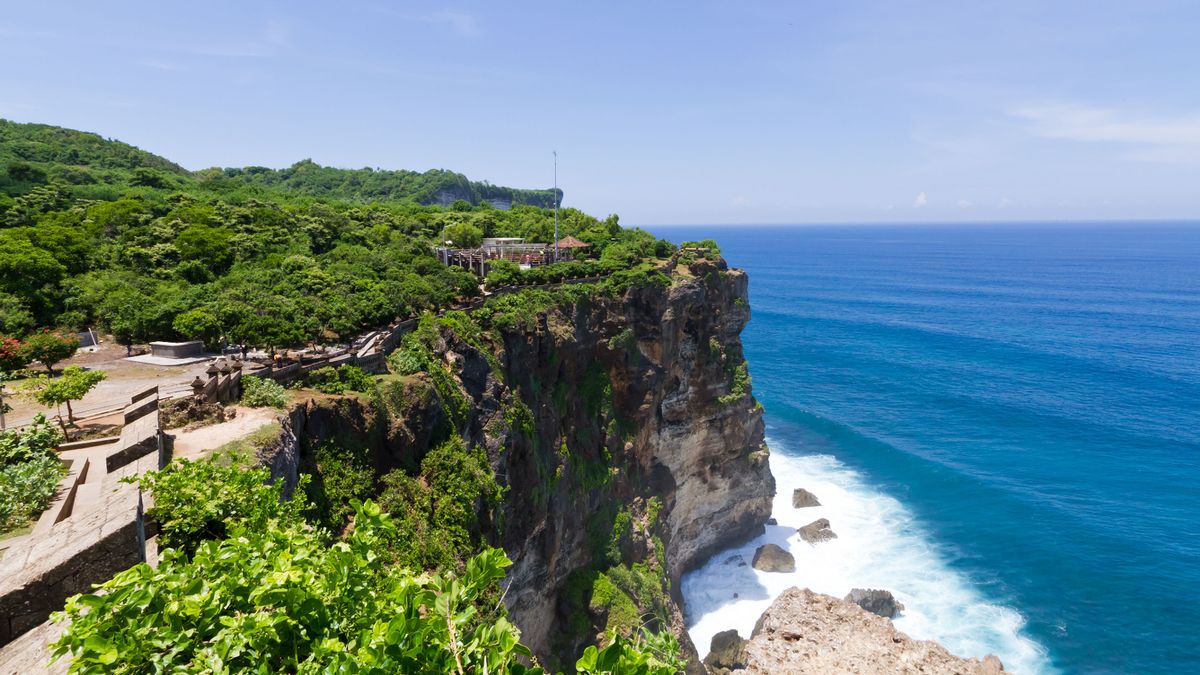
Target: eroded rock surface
(875, 601)
(802, 499)
(726, 654)
(771, 558)
(806, 632)
(817, 531)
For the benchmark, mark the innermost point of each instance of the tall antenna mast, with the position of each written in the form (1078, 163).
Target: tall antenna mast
(555, 206)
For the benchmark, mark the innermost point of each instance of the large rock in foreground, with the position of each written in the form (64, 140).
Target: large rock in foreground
(726, 654)
(802, 499)
(806, 632)
(875, 601)
(817, 531)
(771, 558)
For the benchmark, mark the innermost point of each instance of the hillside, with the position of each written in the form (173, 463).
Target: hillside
(33, 154)
(436, 186)
(96, 233)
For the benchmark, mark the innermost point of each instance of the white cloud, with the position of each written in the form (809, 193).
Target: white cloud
(964, 203)
(920, 201)
(740, 200)
(1150, 138)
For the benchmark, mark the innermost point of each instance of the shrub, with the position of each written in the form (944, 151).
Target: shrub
(39, 439)
(30, 472)
(503, 273)
(208, 499)
(284, 600)
(261, 392)
(27, 488)
(739, 387)
(437, 512)
(49, 348)
(326, 380)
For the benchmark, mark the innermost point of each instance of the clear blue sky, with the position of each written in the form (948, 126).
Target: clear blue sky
(686, 112)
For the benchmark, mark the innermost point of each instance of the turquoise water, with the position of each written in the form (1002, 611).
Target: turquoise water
(1005, 418)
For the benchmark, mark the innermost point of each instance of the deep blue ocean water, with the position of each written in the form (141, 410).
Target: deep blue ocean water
(1029, 394)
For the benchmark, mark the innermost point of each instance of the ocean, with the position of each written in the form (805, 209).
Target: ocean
(1002, 423)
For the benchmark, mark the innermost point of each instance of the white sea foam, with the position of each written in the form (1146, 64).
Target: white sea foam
(878, 546)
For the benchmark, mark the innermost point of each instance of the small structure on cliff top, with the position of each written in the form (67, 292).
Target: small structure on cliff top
(568, 246)
(513, 249)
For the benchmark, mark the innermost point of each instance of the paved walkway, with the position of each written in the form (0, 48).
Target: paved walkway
(97, 539)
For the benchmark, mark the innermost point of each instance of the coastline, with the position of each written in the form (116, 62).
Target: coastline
(879, 545)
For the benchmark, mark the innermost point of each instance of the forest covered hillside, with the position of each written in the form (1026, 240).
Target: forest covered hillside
(34, 153)
(96, 233)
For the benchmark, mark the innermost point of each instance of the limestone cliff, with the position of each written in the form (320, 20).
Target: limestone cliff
(621, 426)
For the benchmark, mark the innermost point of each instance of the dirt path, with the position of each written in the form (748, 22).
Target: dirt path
(199, 442)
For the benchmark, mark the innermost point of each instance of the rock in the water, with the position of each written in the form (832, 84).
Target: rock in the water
(727, 653)
(736, 559)
(802, 498)
(817, 531)
(805, 632)
(771, 558)
(875, 601)
(772, 521)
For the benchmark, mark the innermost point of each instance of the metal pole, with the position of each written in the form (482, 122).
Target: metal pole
(555, 206)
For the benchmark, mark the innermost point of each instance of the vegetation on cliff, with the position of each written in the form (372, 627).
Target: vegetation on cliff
(98, 233)
(246, 583)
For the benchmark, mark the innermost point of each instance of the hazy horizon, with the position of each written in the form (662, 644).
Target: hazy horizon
(771, 113)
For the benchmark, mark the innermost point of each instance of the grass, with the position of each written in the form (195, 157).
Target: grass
(252, 442)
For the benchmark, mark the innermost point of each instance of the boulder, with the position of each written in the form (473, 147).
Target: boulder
(803, 499)
(727, 653)
(736, 560)
(805, 632)
(772, 521)
(771, 558)
(817, 531)
(875, 601)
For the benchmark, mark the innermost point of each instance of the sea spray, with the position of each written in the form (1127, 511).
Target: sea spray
(879, 545)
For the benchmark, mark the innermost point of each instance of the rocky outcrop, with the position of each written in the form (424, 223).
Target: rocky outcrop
(621, 425)
(817, 531)
(802, 499)
(875, 601)
(669, 426)
(806, 632)
(726, 653)
(771, 558)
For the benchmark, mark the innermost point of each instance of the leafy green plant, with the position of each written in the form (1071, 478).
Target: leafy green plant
(286, 600)
(739, 388)
(26, 489)
(261, 392)
(199, 501)
(30, 472)
(646, 654)
(438, 511)
(38, 439)
(74, 383)
(49, 348)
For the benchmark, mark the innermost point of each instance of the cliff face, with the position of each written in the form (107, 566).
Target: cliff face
(623, 431)
(671, 355)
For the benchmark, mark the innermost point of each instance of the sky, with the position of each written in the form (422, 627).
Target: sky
(661, 112)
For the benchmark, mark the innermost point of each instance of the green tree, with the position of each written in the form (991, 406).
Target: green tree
(503, 273)
(198, 324)
(49, 348)
(15, 317)
(124, 312)
(464, 235)
(73, 385)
